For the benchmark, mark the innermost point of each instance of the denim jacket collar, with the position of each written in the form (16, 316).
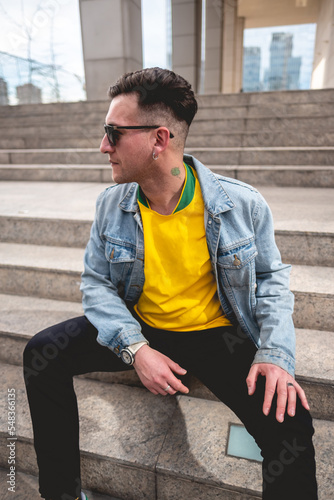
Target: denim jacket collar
(129, 202)
(215, 197)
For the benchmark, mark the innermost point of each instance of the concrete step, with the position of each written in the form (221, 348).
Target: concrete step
(271, 124)
(294, 209)
(26, 110)
(296, 247)
(96, 117)
(51, 232)
(63, 200)
(237, 138)
(41, 271)
(313, 287)
(266, 98)
(245, 139)
(214, 121)
(65, 156)
(41, 141)
(300, 208)
(54, 273)
(318, 155)
(68, 116)
(26, 488)
(279, 175)
(275, 175)
(167, 459)
(211, 100)
(67, 129)
(272, 110)
(256, 99)
(32, 213)
(64, 173)
(23, 317)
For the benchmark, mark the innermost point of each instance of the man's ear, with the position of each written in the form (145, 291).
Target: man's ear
(161, 139)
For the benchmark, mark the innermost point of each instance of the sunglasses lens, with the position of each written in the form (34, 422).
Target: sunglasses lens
(110, 136)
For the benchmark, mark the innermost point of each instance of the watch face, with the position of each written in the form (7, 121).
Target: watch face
(126, 357)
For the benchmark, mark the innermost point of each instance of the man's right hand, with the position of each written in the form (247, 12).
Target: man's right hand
(156, 372)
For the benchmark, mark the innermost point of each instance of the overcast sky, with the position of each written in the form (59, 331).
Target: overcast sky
(20, 19)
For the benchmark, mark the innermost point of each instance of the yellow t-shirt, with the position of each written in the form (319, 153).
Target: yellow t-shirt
(180, 291)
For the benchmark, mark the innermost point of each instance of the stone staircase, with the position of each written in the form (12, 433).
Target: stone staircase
(169, 448)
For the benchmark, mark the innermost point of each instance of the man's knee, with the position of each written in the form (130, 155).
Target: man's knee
(46, 346)
(37, 354)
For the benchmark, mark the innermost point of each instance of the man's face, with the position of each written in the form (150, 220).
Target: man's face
(131, 157)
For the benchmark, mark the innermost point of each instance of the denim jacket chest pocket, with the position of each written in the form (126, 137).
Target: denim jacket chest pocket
(237, 265)
(121, 256)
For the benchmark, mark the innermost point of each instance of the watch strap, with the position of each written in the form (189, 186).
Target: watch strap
(133, 348)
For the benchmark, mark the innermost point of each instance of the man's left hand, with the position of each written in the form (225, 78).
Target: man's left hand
(278, 380)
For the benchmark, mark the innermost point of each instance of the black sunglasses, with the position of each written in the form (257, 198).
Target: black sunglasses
(113, 136)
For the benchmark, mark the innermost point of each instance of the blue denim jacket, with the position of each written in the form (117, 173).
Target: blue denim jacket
(252, 282)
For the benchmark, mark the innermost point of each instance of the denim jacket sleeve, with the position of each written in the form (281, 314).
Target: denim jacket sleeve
(103, 306)
(274, 300)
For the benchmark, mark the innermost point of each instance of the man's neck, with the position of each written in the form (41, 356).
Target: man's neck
(163, 193)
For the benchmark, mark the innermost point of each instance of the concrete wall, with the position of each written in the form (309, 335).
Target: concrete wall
(263, 13)
(323, 64)
(232, 52)
(112, 42)
(213, 46)
(186, 39)
(223, 47)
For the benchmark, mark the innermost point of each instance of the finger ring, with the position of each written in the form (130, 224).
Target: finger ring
(167, 388)
(289, 384)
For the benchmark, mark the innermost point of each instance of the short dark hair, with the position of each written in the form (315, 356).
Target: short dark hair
(159, 88)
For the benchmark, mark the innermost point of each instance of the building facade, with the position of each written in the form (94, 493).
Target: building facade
(3, 93)
(28, 94)
(210, 27)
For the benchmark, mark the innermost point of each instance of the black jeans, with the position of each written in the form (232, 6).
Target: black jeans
(220, 358)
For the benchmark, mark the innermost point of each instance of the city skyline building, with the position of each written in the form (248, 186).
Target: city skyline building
(280, 52)
(294, 65)
(3, 92)
(284, 70)
(251, 69)
(28, 94)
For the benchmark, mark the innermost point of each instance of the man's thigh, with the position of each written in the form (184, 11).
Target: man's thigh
(73, 344)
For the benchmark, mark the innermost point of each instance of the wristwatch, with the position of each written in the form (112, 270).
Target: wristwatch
(128, 353)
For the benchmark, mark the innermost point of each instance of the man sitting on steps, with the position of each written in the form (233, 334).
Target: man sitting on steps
(181, 274)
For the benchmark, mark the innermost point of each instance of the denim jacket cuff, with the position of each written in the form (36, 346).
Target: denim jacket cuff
(276, 357)
(122, 340)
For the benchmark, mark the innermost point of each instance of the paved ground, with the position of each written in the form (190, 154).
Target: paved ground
(298, 209)
(26, 488)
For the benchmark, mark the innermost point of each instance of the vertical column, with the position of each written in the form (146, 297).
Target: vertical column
(239, 53)
(232, 48)
(112, 42)
(214, 17)
(323, 63)
(186, 31)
